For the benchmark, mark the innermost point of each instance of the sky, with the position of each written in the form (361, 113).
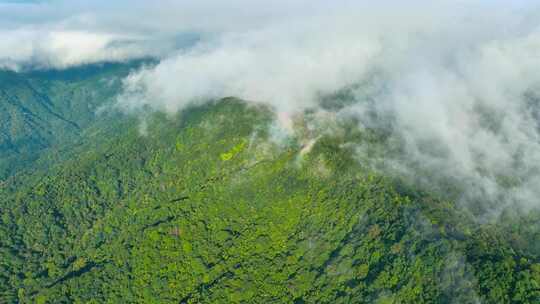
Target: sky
(458, 80)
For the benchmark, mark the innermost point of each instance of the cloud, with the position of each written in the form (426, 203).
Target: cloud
(468, 111)
(457, 82)
(61, 33)
(62, 49)
(288, 71)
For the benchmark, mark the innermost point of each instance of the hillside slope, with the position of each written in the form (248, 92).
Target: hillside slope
(42, 110)
(208, 208)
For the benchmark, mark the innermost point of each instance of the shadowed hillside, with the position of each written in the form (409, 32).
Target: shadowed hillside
(47, 109)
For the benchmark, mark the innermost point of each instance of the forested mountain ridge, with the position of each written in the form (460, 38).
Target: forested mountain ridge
(207, 151)
(46, 109)
(206, 207)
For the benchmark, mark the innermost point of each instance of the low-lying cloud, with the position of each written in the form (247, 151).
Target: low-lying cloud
(64, 33)
(458, 82)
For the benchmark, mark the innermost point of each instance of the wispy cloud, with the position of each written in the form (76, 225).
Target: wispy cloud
(456, 81)
(61, 33)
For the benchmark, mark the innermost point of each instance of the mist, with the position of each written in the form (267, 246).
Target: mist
(59, 34)
(456, 82)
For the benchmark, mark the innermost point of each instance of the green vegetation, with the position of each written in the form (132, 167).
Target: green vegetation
(207, 208)
(44, 110)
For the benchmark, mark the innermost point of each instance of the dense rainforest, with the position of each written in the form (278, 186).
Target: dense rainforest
(49, 109)
(211, 206)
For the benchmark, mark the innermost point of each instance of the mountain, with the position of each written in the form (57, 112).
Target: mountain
(210, 206)
(45, 109)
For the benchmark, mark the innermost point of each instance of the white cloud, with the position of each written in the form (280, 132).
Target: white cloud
(60, 49)
(288, 71)
(62, 33)
(453, 77)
